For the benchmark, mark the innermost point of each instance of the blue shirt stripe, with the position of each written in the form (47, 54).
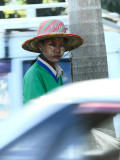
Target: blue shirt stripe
(45, 67)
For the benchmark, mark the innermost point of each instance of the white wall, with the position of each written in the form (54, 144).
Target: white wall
(2, 45)
(112, 40)
(16, 41)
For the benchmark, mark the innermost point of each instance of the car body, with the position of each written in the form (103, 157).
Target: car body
(68, 123)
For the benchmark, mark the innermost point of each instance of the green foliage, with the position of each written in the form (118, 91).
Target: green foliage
(2, 15)
(39, 12)
(2, 3)
(12, 13)
(21, 1)
(33, 1)
(111, 5)
(48, 11)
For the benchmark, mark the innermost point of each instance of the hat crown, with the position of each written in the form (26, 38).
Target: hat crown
(50, 27)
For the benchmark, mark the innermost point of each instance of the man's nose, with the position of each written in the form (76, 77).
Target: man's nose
(57, 48)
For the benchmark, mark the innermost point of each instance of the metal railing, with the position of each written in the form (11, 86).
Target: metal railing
(32, 21)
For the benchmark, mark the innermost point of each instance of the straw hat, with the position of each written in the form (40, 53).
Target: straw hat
(50, 29)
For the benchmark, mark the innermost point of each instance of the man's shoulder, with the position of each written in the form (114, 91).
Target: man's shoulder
(32, 70)
(35, 70)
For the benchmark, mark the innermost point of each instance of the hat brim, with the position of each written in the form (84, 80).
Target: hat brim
(73, 41)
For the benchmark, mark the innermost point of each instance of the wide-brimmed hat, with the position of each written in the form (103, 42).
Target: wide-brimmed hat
(52, 28)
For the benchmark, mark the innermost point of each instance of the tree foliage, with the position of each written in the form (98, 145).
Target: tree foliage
(48, 11)
(39, 12)
(111, 5)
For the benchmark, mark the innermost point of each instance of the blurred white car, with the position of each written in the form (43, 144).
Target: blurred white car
(73, 122)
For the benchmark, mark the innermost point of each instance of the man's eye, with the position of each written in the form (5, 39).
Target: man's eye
(52, 44)
(62, 45)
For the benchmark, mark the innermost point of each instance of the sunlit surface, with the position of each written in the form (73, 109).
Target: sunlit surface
(4, 96)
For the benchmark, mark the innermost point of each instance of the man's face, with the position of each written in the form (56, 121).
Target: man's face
(53, 49)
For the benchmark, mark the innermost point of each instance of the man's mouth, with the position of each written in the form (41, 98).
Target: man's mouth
(56, 56)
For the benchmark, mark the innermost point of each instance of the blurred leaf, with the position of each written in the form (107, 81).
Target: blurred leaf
(111, 5)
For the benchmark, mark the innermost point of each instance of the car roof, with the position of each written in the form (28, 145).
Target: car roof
(101, 90)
